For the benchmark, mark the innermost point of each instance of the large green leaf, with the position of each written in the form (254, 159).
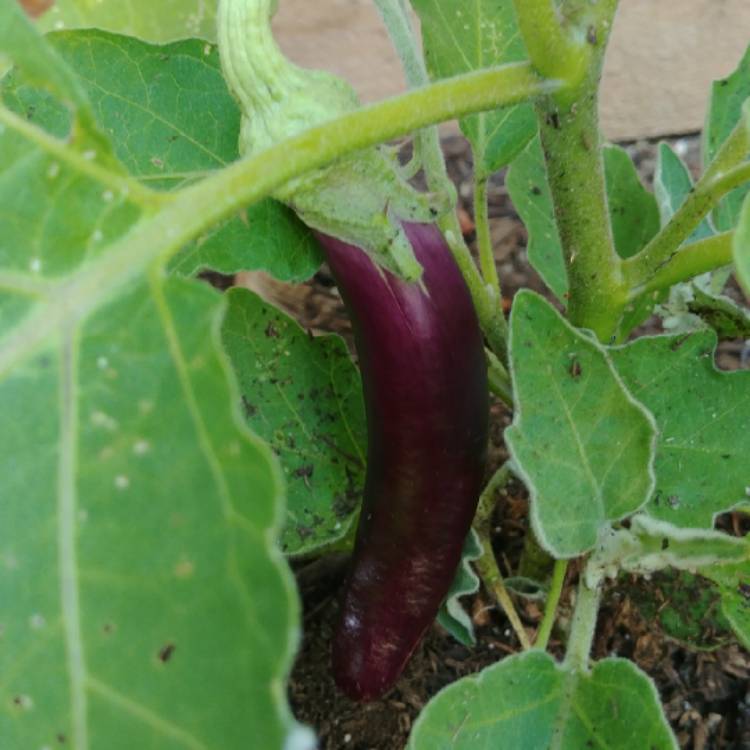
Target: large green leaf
(171, 121)
(160, 21)
(529, 190)
(143, 602)
(724, 112)
(459, 37)
(702, 414)
(303, 396)
(583, 445)
(529, 701)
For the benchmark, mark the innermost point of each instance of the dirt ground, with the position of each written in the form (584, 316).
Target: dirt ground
(706, 692)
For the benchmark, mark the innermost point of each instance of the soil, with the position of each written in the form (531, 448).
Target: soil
(706, 693)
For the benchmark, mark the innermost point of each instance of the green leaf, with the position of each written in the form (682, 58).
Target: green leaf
(452, 616)
(672, 185)
(686, 607)
(268, 237)
(459, 37)
(161, 21)
(702, 415)
(144, 603)
(742, 247)
(529, 190)
(724, 112)
(582, 444)
(633, 210)
(303, 396)
(172, 120)
(734, 588)
(529, 701)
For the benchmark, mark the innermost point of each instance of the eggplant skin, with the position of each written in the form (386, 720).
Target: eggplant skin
(425, 387)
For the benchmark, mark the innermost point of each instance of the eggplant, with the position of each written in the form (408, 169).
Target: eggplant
(421, 357)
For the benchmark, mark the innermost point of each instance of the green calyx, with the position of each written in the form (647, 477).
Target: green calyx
(361, 199)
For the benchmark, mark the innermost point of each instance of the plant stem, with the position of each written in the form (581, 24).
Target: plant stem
(583, 628)
(552, 49)
(571, 140)
(722, 176)
(486, 301)
(484, 239)
(499, 379)
(692, 260)
(194, 209)
(553, 600)
(486, 565)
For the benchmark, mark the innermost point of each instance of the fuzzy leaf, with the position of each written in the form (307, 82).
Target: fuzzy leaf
(633, 209)
(702, 415)
(126, 474)
(144, 90)
(460, 37)
(529, 701)
(724, 112)
(583, 445)
(304, 397)
(452, 616)
(529, 190)
(734, 587)
(672, 185)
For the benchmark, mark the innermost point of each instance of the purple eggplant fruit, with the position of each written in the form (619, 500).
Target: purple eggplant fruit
(425, 387)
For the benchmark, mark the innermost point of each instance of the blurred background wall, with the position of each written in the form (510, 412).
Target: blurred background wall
(663, 56)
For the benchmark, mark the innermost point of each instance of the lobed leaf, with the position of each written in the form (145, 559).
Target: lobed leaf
(529, 190)
(137, 512)
(581, 442)
(702, 416)
(303, 396)
(452, 616)
(528, 700)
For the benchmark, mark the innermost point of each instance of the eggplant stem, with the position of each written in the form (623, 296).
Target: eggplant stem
(550, 609)
(486, 565)
(484, 239)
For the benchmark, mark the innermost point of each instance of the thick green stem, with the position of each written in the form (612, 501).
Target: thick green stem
(693, 260)
(486, 565)
(553, 48)
(553, 600)
(484, 239)
(583, 628)
(721, 177)
(195, 209)
(571, 140)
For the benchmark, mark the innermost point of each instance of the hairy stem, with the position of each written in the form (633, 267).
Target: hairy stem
(583, 628)
(571, 140)
(486, 565)
(693, 260)
(553, 600)
(484, 239)
(553, 49)
(725, 173)
(499, 379)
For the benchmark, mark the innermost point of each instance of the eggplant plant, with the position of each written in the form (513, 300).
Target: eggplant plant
(167, 448)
